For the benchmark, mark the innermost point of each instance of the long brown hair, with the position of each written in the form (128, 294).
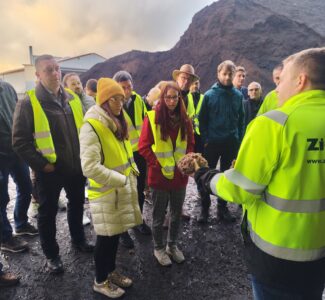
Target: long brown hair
(122, 127)
(162, 112)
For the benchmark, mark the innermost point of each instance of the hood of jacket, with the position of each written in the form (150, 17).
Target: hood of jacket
(97, 113)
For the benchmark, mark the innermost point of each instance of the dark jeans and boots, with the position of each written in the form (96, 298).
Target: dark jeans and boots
(19, 172)
(6, 279)
(141, 185)
(49, 186)
(226, 151)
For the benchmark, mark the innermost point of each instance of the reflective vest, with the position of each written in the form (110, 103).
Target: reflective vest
(139, 111)
(42, 133)
(164, 150)
(279, 177)
(117, 156)
(270, 102)
(195, 116)
(190, 106)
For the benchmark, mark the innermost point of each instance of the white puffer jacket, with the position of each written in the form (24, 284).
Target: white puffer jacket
(118, 211)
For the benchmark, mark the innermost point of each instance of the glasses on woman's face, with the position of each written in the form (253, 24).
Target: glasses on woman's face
(171, 98)
(116, 100)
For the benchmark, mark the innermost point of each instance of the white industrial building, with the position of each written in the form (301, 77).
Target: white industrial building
(24, 79)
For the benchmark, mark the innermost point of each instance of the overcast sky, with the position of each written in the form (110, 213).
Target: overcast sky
(74, 27)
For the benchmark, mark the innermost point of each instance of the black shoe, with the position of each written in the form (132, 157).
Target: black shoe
(84, 247)
(28, 229)
(8, 279)
(14, 245)
(126, 240)
(223, 214)
(143, 229)
(203, 217)
(54, 265)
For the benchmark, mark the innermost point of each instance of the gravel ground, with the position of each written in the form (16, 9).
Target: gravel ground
(214, 266)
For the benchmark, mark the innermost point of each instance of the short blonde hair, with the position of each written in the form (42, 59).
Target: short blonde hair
(311, 61)
(240, 69)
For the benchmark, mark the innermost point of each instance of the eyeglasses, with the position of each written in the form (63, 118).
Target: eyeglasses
(170, 98)
(255, 90)
(116, 100)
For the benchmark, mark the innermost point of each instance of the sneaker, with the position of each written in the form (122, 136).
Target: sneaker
(108, 289)
(143, 229)
(176, 254)
(14, 245)
(62, 204)
(119, 279)
(54, 265)
(28, 229)
(85, 220)
(33, 209)
(126, 240)
(8, 279)
(223, 214)
(162, 257)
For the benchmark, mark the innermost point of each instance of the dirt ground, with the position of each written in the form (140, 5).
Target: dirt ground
(214, 266)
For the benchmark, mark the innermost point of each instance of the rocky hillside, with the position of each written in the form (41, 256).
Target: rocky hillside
(244, 31)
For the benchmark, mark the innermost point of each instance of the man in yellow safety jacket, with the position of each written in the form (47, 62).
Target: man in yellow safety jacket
(271, 99)
(134, 113)
(279, 179)
(45, 135)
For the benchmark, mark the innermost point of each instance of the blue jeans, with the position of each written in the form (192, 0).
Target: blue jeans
(263, 292)
(19, 172)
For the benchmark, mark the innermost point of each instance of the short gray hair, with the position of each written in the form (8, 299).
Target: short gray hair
(121, 76)
(41, 58)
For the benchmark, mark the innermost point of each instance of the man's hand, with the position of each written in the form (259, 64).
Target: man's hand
(48, 168)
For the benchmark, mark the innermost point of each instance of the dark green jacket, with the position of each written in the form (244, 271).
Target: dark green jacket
(222, 115)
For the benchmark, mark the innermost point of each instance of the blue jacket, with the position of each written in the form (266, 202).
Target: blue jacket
(222, 115)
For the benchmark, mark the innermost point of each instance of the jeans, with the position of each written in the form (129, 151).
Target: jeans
(19, 172)
(227, 152)
(49, 186)
(264, 292)
(160, 202)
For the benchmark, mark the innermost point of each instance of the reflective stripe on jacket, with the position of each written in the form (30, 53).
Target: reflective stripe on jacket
(42, 133)
(117, 156)
(279, 178)
(164, 150)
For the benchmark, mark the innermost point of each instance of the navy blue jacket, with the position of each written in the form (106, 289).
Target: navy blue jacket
(222, 115)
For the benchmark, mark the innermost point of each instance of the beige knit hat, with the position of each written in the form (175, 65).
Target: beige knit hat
(106, 89)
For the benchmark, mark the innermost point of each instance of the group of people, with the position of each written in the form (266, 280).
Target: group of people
(120, 143)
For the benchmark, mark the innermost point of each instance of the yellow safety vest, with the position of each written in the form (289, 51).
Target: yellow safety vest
(164, 150)
(190, 106)
(117, 156)
(139, 111)
(196, 112)
(279, 176)
(270, 102)
(42, 133)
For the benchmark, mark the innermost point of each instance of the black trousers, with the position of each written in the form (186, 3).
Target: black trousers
(49, 186)
(226, 151)
(198, 148)
(141, 179)
(105, 256)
